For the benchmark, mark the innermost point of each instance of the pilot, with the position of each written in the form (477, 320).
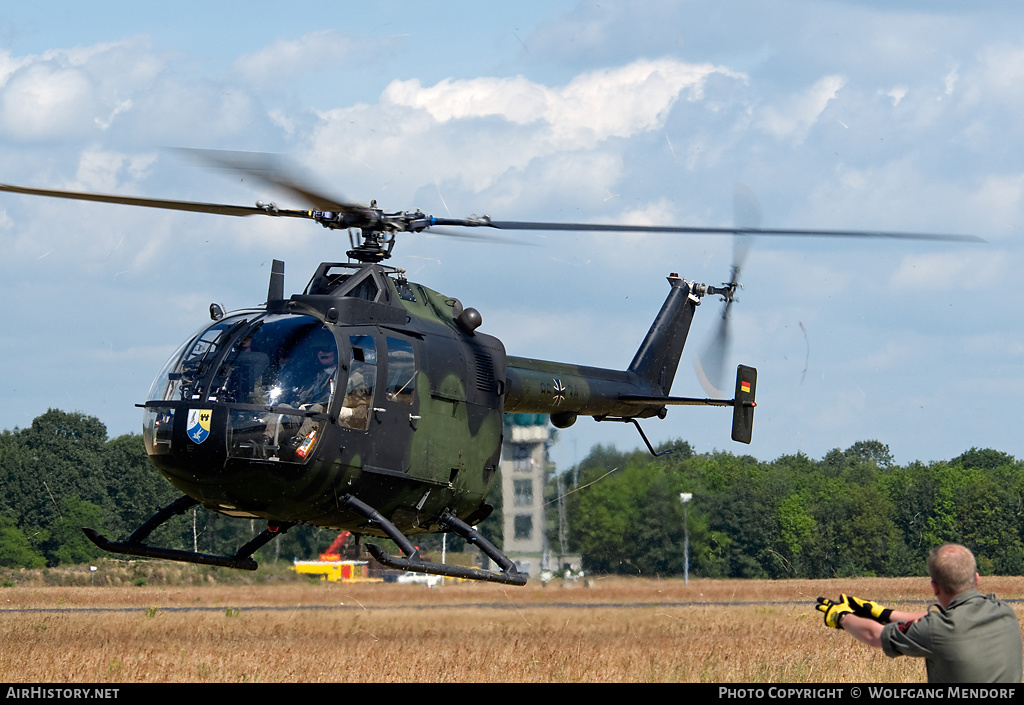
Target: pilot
(243, 372)
(304, 380)
(281, 379)
(356, 410)
(319, 392)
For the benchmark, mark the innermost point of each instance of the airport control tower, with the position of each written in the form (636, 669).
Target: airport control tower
(525, 470)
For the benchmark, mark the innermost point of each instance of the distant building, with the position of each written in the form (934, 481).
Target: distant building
(525, 469)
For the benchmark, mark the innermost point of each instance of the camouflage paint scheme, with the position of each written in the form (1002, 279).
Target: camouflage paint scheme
(414, 461)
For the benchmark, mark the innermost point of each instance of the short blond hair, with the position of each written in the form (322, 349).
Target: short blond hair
(952, 567)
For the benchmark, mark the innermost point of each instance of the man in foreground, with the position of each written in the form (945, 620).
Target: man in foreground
(969, 638)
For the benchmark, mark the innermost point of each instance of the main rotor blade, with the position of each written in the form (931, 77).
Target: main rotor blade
(476, 237)
(698, 230)
(272, 170)
(192, 206)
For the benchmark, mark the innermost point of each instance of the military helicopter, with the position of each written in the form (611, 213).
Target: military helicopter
(372, 404)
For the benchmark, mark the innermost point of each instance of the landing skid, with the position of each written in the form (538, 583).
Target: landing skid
(412, 561)
(134, 546)
(242, 560)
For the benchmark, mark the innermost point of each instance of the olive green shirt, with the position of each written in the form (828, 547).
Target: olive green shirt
(976, 639)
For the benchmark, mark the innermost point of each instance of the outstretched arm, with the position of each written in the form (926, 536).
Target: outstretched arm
(869, 609)
(867, 631)
(906, 616)
(863, 619)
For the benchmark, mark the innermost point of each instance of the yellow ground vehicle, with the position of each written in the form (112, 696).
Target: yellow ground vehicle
(331, 567)
(354, 571)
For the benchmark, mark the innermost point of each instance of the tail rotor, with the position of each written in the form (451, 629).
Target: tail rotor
(710, 364)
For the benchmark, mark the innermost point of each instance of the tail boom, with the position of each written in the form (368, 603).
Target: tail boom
(565, 391)
(538, 386)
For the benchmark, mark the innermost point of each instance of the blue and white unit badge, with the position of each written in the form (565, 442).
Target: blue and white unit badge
(199, 424)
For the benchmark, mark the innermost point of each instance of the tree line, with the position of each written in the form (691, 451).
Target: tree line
(852, 513)
(63, 473)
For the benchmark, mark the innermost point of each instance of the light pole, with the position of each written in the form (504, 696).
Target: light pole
(685, 498)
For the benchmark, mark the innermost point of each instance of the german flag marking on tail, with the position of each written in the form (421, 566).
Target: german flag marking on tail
(743, 404)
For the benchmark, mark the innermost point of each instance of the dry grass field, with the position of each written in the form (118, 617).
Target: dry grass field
(612, 630)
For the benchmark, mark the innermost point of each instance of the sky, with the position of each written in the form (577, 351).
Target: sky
(834, 115)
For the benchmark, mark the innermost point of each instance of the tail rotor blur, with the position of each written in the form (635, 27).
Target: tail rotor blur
(710, 364)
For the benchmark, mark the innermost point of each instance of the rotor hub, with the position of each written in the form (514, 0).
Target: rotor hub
(371, 246)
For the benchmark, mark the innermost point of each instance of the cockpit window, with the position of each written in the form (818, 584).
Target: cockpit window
(274, 360)
(184, 374)
(286, 361)
(362, 378)
(279, 369)
(401, 371)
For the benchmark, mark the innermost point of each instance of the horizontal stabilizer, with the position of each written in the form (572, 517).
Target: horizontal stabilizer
(743, 403)
(642, 400)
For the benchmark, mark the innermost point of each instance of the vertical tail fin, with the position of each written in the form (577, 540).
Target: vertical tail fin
(743, 404)
(658, 356)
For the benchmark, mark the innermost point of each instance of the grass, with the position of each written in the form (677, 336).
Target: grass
(615, 630)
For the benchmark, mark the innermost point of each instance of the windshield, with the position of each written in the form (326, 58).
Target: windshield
(183, 376)
(275, 360)
(280, 369)
(285, 360)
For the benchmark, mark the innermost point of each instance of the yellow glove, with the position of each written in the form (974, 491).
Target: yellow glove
(867, 609)
(834, 612)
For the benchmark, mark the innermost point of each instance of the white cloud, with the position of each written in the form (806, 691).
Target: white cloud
(793, 117)
(1001, 198)
(572, 176)
(290, 58)
(105, 171)
(126, 88)
(44, 100)
(8, 65)
(529, 138)
(122, 107)
(73, 92)
(949, 81)
(897, 94)
(593, 107)
(1002, 70)
(516, 99)
(968, 271)
(894, 354)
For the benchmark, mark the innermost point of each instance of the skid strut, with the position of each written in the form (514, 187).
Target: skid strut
(412, 561)
(135, 546)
